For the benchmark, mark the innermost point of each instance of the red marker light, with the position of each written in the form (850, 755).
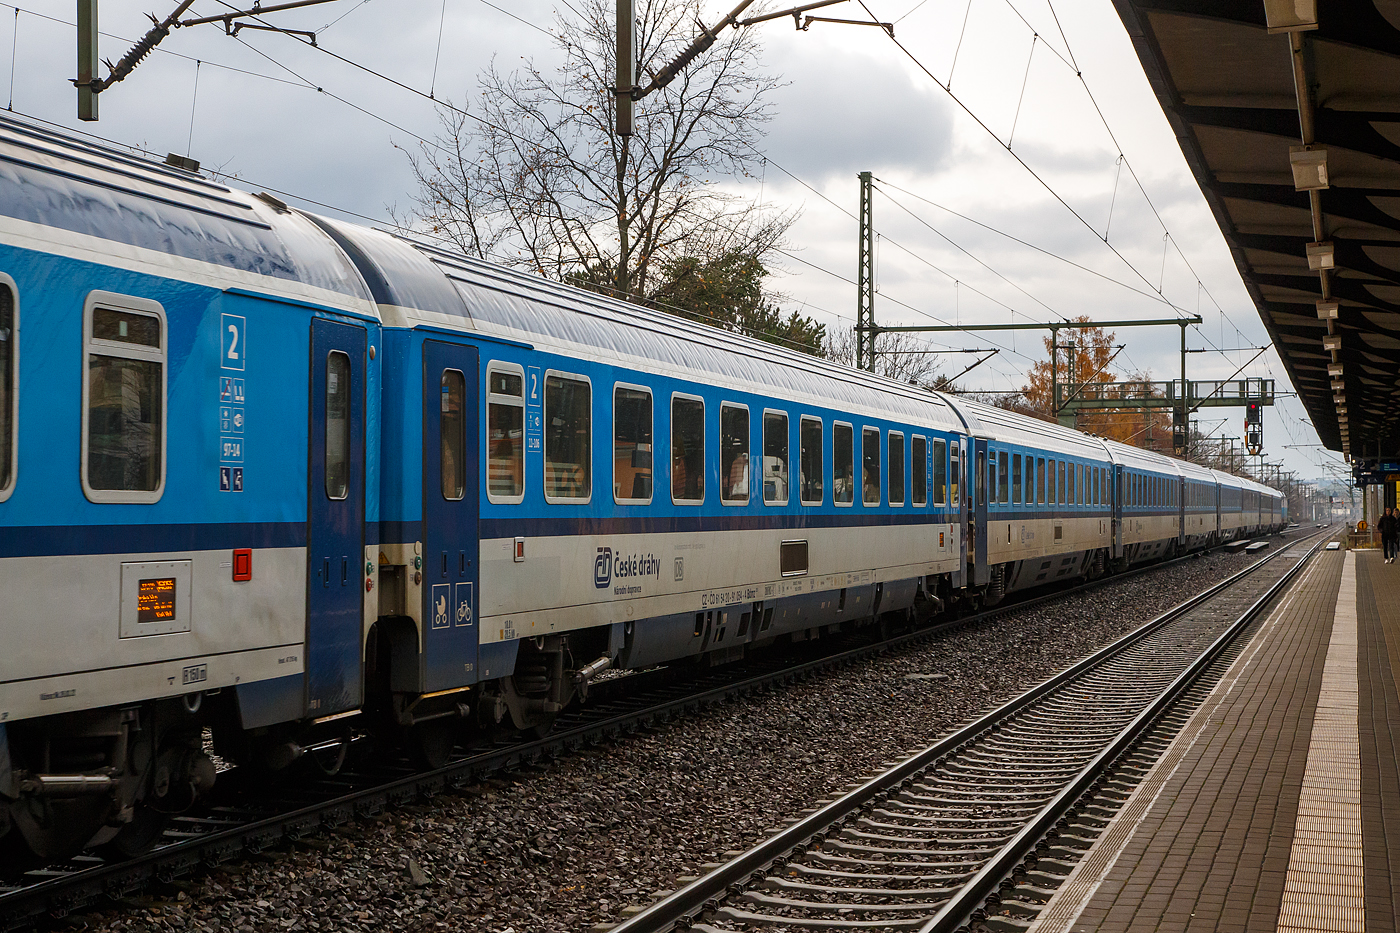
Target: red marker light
(242, 565)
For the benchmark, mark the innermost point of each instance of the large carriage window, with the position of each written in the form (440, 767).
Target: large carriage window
(775, 458)
(124, 443)
(505, 435)
(1079, 483)
(1016, 478)
(631, 445)
(940, 474)
(733, 454)
(918, 469)
(870, 466)
(687, 449)
(1003, 477)
(1039, 480)
(1060, 469)
(843, 467)
(954, 474)
(8, 339)
(896, 442)
(810, 441)
(568, 438)
(452, 430)
(1050, 481)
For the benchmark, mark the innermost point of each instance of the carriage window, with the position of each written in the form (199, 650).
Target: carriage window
(896, 442)
(843, 464)
(1016, 478)
(505, 435)
(1060, 469)
(955, 478)
(1079, 483)
(337, 425)
(775, 458)
(1040, 480)
(568, 438)
(870, 466)
(631, 445)
(9, 334)
(125, 438)
(810, 440)
(1094, 486)
(940, 474)
(452, 434)
(918, 469)
(687, 449)
(734, 454)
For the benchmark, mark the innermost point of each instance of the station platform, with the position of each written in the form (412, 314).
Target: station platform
(1277, 808)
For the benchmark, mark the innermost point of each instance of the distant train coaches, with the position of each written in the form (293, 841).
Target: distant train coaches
(290, 479)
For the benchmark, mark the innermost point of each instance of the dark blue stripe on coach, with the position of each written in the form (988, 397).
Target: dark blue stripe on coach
(54, 540)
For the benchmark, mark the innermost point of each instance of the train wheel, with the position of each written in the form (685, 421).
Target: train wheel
(46, 831)
(430, 743)
(137, 837)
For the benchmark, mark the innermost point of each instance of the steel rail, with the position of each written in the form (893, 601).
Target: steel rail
(60, 893)
(706, 892)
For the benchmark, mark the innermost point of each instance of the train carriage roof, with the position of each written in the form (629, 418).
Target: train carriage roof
(79, 189)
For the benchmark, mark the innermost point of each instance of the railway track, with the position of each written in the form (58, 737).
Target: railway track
(246, 818)
(940, 838)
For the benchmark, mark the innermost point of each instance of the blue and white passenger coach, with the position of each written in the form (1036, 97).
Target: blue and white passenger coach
(285, 480)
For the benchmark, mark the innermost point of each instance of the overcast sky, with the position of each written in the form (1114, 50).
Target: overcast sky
(282, 116)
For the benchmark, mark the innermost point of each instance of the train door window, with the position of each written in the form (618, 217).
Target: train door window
(954, 473)
(918, 470)
(843, 468)
(505, 433)
(811, 454)
(632, 444)
(940, 473)
(775, 458)
(870, 466)
(568, 438)
(896, 456)
(1016, 478)
(9, 384)
(452, 433)
(124, 400)
(687, 449)
(338, 389)
(733, 454)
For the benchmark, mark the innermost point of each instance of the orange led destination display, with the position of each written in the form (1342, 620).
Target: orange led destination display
(155, 600)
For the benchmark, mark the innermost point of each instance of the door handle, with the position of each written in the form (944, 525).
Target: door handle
(462, 563)
(344, 570)
(444, 563)
(326, 571)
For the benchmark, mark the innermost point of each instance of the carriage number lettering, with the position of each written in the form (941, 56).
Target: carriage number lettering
(234, 341)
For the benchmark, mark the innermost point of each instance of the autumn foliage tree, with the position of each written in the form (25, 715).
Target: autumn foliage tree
(1085, 358)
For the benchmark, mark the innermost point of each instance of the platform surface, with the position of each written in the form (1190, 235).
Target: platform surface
(1277, 808)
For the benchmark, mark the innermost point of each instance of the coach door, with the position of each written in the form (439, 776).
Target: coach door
(335, 532)
(1117, 510)
(981, 573)
(451, 484)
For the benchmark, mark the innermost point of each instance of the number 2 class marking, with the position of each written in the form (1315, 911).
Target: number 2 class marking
(234, 340)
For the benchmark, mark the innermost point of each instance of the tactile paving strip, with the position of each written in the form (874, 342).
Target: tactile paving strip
(1324, 888)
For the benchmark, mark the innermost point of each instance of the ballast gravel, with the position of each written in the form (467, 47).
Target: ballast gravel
(569, 845)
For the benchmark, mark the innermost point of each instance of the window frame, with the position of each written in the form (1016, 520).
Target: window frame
(821, 457)
(8, 489)
(763, 454)
(888, 481)
(612, 447)
(95, 346)
(442, 441)
(1003, 472)
(852, 428)
(879, 466)
(748, 452)
(501, 366)
(544, 440)
(1018, 478)
(671, 447)
(922, 471)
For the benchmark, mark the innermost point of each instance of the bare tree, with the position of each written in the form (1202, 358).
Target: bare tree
(542, 181)
(898, 356)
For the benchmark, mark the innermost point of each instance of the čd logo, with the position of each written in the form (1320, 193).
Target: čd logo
(602, 568)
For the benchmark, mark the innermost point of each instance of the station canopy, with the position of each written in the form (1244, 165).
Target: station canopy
(1305, 185)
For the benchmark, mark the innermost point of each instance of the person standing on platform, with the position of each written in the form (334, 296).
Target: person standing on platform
(1389, 527)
